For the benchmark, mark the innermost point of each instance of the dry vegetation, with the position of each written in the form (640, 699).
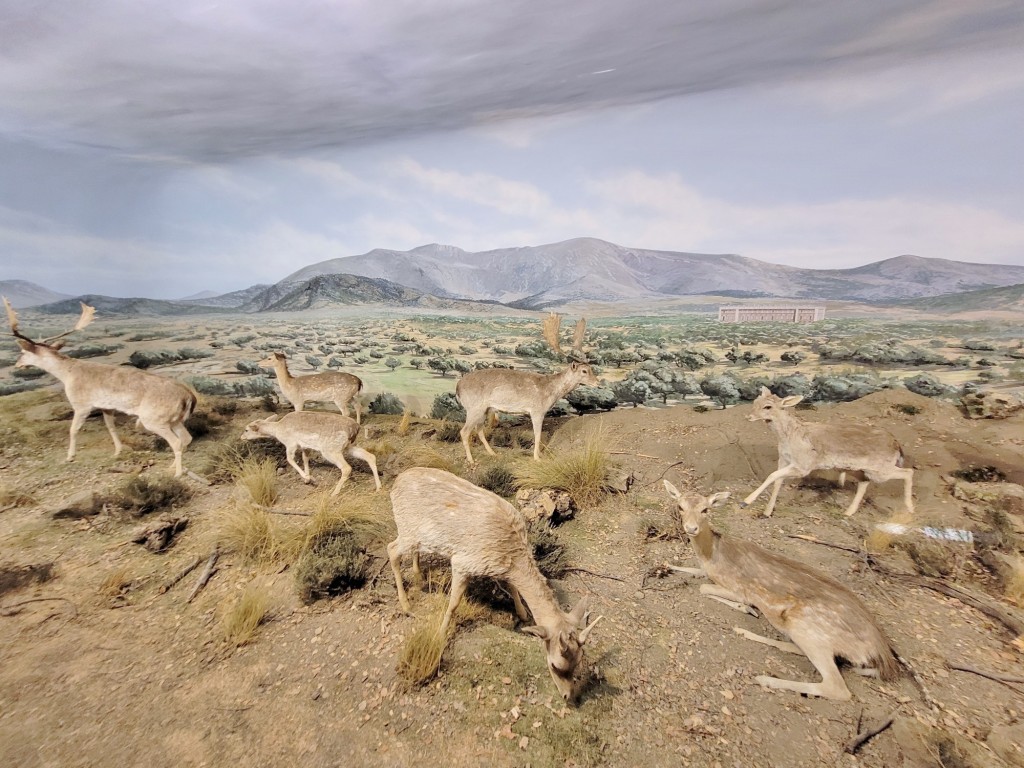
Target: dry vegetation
(245, 614)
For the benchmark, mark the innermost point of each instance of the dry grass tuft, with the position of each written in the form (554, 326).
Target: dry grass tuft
(251, 532)
(499, 479)
(420, 657)
(115, 583)
(580, 471)
(245, 614)
(403, 425)
(878, 541)
(382, 448)
(449, 431)
(143, 494)
(420, 456)
(1014, 581)
(257, 478)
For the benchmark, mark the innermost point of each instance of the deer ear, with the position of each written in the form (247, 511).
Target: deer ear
(718, 498)
(672, 490)
(538, 631)
(58, 345)
(574, 365)
(765, 391)
(578, 615)
(789, 402)
(25, 345)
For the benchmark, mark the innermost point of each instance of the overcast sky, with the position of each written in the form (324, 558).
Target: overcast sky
(160, 149)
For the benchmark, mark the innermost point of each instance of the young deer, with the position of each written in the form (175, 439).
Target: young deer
(333, 434)
(161, 405)
(483, 535)
(805, 447)
(336, 387)
(822, 617)
(499, 389)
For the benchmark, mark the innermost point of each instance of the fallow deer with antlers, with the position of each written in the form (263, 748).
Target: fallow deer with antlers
(500, 389)
(161, 405)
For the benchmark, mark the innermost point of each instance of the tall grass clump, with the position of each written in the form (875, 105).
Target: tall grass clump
(258, 479)
(580, 471)
(250, 531)
(420, 657)
(245, 614)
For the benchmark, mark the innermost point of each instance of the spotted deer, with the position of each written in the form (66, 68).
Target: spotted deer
(509, 391)
(333, 434)
(336, 387)
(483, 535)
(823, 618)
(161, 405)
(805, 447)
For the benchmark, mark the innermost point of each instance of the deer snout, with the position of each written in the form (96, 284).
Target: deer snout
(692, 529)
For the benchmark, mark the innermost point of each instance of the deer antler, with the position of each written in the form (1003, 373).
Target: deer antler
(551, 325)
(12, 320)
(84, 319)
(581, 331)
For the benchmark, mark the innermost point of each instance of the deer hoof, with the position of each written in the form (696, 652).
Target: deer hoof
(743, 505)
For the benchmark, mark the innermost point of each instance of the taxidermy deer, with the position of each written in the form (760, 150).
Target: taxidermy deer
(333, 434)
(823, 618)
(161, 405)
(499, 389)
(336, 387)
(805, 447)
(483, 535)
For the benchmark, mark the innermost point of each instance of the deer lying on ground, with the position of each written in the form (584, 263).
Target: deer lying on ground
(161, 405)
(822, 617)
(483, 535)
(333, 434)
(499, 389)
(336, 387)
(805, 447)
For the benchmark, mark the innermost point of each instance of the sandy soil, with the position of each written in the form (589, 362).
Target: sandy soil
(144, 678)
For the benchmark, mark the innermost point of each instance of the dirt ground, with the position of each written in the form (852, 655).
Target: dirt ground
(88, 678)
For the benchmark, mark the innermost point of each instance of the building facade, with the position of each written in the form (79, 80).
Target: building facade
(750, 313)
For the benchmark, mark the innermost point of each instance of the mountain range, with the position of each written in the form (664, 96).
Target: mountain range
(583, 269)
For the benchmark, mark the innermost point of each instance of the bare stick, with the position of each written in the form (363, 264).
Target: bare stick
(287, 512)
(813, 540)
(181, 574)
(1007, 680)
(207, 573)
(8, 610)
(593, 573)
(863, 738)
(197, 478)
(630, 453)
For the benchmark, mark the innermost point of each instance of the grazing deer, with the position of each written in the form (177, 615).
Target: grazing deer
(333, 434)
(483, 535)
(822, 617)
(336, 387)
(161, 405)
(511, 391)
(805, 447)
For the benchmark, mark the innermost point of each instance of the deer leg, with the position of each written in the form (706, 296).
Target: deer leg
(183, 434)
(474, 418)
(305, 461)
(781, 473)
(459, 583)
(108, 419)
(81, 414)
(771, 501)
(517, 601)
(908, 489)
(780, 644)
(338, 459)
(165, 431)
(842, 480)
(726, 597)
(832, 685)
(395, 556)
(538, 425)
(483, 441)
(416, 567)
(862, 488)
(359, 453)
(699, 572)
(289, 451)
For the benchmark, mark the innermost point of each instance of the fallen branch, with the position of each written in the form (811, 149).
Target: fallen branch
(574, 569)
(181, 574)
(197, 478)
(863, 738)
(8, 610)
(1007, 680)
(813, 540)
(630, 453)
(206, 574)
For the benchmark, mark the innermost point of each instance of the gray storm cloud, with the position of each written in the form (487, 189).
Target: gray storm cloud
(205, 80)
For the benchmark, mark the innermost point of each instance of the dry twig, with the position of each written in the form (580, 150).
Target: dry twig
(206, 574)
(863, 738)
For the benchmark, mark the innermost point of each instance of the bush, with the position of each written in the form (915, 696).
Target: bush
(720, 388)
(93, 350)
(446, 406)
(388, 404)
(794, 384)
(499, 479)
(141, 495)
(335, 562)
(845, 388)
(927, 385)
(588, 399)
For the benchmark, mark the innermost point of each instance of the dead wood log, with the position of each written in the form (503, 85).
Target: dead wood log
(159, 535)
(181, 574)
(208, 571)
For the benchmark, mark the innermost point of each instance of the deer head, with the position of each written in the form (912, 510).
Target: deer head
(563, 645)
(254, 431)
(273, 358)
(767, 405)
(692, 506)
